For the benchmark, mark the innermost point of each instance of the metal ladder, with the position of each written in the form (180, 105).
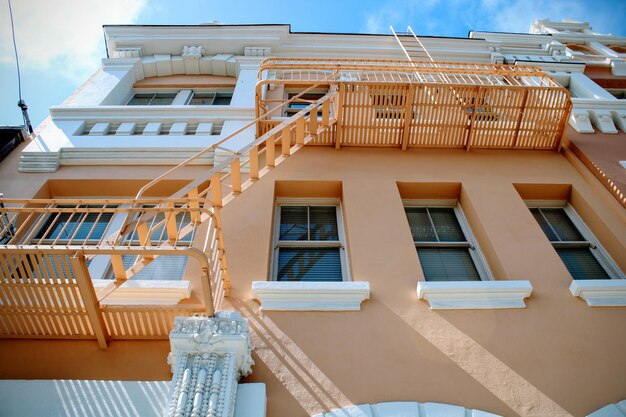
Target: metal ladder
(412, 47)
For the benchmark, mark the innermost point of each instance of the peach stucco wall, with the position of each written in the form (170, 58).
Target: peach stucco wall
(557, 357)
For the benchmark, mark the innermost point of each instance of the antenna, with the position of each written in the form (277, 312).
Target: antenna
(21, 103)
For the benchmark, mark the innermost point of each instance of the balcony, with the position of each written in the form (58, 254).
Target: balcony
(81, 268)
(408, 104)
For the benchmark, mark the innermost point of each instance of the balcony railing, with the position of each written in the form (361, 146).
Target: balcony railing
(64, 269)
(424, 104)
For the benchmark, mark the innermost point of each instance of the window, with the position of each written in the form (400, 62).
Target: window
(445, 246)
(579, 250)
(152, 99)
(309, 243)
(302, 102)
(164, 267)
(388, 105)
(210, 99)
(75, 227)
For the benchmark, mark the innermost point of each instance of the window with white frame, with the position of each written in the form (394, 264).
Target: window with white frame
(163, 267)
(81, 227)
(309, 241)
(579, 250)
(200, 97)
(152, 99)
(445, 246)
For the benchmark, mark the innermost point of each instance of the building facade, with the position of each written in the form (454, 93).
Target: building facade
(241, 220)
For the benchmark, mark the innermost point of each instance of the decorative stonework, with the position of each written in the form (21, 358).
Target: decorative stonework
(209, 355)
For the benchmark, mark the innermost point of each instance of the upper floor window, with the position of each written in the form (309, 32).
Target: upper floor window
(445, 246)
(210, 99)
(309, 242)
(302, 102)
(578, 248)
(202, 97)
(152, 99)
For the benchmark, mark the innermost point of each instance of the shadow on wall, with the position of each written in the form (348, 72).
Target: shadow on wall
(316, 393)
(69, 398)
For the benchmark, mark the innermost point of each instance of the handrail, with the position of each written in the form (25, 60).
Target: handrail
(217, 144)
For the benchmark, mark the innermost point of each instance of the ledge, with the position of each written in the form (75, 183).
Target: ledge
(474, 294)
(319, 296)
(148, 292)
(600, 292)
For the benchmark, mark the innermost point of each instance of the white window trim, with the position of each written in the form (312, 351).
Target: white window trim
(484, 294)
(343, 295)
(596, 292)
(341, 243)
(597, 250)
(474, 249)
(148, 292)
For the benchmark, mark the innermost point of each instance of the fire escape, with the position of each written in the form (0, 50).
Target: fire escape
(47, 247)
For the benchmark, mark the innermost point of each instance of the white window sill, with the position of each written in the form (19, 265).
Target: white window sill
(317, 296)
(474, 294)
(148, 292)
(600, 292)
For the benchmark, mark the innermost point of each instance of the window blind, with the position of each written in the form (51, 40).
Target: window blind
(447, 264)
(309, 264)
(581, 263)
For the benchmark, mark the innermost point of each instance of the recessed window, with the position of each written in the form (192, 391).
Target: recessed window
(75, 227)
(309, 243)
(210, 99)
(445, 246)
(302, 102)
(152, 99)
(579, 250)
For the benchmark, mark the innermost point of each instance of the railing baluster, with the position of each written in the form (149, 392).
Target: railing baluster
(216, 190)
(254, 163)
(270, 151)
(286, 141)
(235, 175)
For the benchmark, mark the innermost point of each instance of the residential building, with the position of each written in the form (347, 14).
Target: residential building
(298, 224)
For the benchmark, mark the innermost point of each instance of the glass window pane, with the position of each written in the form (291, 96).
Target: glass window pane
(66, 224)
(421, 228)
(222, 99)
(141, 99)
(293, 223)
(446, 224)
(163, 99)
(447, 264)
(164, 267)
(562, 224)
(202, 99)
(544, 225)
(309, 264)
(323, 223)
(581, 263)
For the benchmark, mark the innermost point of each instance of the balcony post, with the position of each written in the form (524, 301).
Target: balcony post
(90, 301)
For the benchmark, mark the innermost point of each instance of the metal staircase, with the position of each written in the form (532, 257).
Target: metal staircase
(237, 172)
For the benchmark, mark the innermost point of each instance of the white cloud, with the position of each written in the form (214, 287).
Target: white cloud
(63, 36)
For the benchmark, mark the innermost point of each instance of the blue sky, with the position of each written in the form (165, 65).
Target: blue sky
(61, 43)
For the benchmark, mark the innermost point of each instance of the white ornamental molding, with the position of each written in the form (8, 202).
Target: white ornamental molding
(406, 409)
(611, 410)
(209, 355)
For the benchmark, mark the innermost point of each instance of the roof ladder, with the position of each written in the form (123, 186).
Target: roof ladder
(412, 47)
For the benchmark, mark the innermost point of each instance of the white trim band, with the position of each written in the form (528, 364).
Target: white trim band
(145, 292)
(600, 292)
(319, 296)
(474, 294)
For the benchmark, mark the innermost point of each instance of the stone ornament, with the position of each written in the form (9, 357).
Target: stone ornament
(209, 355)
